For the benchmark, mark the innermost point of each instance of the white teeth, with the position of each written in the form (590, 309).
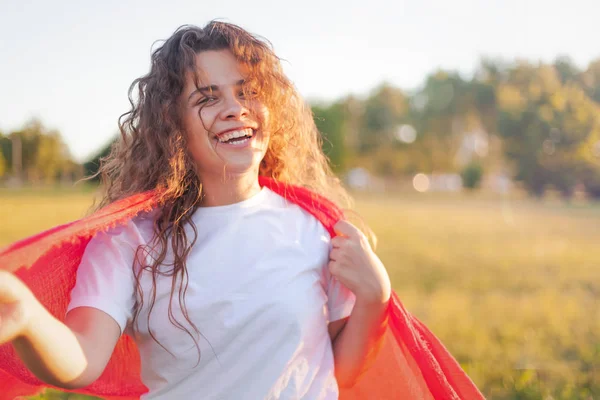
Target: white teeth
(234, 134)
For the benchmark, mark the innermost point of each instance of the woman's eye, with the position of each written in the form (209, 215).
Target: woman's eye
(248, 93)
(206, 100)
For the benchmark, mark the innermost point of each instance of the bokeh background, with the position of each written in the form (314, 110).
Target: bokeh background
(467, 131)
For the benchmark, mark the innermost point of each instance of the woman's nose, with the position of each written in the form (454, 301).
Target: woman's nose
(233, 108)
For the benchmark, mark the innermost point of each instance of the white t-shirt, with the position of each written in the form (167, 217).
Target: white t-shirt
(259, 291)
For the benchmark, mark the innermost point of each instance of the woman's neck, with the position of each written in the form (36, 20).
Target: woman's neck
(224, 190)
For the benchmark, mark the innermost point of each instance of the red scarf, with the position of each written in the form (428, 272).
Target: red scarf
(412, 363)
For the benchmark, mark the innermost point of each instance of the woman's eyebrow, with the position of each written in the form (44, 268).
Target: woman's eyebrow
(212, 88)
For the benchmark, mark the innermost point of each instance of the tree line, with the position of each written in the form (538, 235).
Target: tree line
(36, 154)
(537, 123)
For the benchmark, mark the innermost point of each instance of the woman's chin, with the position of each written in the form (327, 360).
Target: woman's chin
(241, 160)
(241, 164)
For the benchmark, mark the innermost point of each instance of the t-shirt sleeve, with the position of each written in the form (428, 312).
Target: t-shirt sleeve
(105, 278)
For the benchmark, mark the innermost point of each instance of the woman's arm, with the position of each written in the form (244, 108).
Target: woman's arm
(69, 355)
(357, 340)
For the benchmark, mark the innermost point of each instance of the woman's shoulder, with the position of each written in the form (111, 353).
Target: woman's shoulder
(134, 231)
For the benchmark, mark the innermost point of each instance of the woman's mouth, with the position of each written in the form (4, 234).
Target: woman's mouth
(237, 137)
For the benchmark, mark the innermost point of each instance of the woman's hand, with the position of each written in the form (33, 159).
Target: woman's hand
(16, 307)
(356, 266)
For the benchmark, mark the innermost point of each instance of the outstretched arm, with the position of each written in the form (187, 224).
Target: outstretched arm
(69, 355)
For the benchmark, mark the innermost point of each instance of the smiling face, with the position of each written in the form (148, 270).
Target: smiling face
(226, 131)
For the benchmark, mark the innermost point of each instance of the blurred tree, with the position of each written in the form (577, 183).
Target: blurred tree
(590, 79)
(354, 112)
(91, 167)
(444, 112)
(331, 122)
(489, 75)
(384, 110)
(591, 181)
(540, 119)
(51, 158)
(43, 153)
(471, 175)
(566, 69)
(5, 150)
(589, 152)
(2, 165)
(544, 124)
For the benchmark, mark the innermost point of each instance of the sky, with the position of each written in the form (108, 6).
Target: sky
(70, 63)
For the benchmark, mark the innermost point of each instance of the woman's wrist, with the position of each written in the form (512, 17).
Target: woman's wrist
(376, 296)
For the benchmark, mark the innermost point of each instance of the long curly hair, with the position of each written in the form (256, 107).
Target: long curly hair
(152, 154)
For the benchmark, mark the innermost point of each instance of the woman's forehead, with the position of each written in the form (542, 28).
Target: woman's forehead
(217, 67)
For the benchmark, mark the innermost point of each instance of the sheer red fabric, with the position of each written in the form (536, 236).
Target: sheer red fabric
(412, 363)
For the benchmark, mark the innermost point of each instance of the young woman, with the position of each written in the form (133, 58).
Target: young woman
(229, 290)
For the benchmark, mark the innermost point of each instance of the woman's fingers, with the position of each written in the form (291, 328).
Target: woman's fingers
(346, 229)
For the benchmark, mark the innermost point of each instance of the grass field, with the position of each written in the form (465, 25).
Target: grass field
(510, 286)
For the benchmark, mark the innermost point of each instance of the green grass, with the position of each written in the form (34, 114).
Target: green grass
(29, 211)
(511, 286)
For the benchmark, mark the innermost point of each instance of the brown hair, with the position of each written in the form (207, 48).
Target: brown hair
(152, 151)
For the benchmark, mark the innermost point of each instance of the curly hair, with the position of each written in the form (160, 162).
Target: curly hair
(152, 153)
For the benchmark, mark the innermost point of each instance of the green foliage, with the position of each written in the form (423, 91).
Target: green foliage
(6, 153)
(591, 180)
(471, 175)
(330, 121)
(92, 166)
(541, 122)
(383, 111)
(2, 165)
(51, 157)
(591, 80)
(566, 69)
(44, 156)
(545, 119)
